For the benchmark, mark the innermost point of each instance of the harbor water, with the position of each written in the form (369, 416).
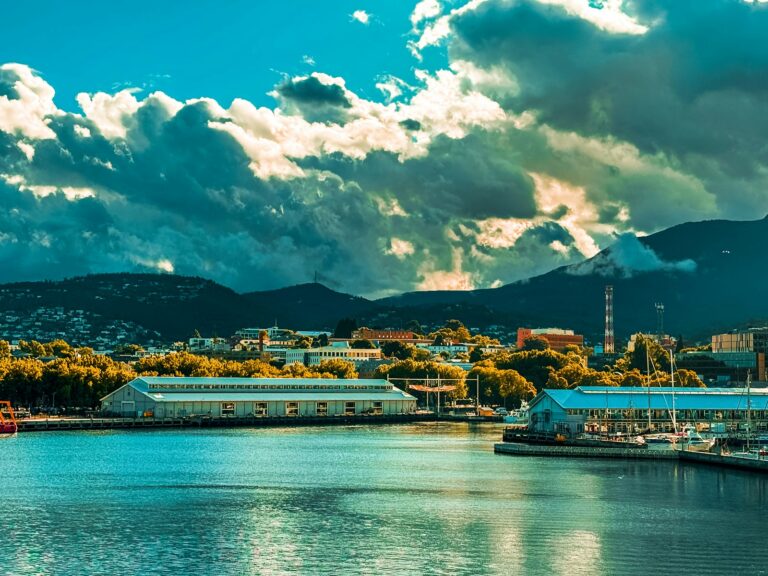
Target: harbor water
(427, 498)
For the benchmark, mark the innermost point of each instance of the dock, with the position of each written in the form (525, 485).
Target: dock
(55, 424)
(687, 456)
(518, 449)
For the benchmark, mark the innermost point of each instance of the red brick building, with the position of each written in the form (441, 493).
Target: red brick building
(557, 338)
(369, 334)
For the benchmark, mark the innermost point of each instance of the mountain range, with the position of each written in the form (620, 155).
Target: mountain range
(710, 276)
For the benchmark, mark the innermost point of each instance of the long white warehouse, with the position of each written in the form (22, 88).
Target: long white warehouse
(164, 397)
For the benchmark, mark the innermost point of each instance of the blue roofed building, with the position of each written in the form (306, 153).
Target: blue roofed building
(612, 410)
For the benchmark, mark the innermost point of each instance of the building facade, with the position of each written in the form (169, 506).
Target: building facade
(314, 356)
(557, 338)
(610, 409)
(370, 334)
(180, 397)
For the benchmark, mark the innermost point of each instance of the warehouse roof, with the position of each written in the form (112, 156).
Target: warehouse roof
(191, 389)
(275, 396)
(612, 398)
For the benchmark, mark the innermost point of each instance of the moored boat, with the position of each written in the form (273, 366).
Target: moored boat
(7, 418)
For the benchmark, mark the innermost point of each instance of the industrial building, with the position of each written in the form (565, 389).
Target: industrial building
(177, 397)
(611, 409)
(557, 338)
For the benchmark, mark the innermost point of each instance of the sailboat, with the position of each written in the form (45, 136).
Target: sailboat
(689, 438)
(752, 454)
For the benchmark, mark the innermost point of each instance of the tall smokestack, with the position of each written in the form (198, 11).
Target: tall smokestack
(609, 342)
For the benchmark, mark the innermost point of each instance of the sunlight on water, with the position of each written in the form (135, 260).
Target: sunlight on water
(410, 499)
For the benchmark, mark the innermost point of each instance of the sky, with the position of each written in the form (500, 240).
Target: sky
(386, 146)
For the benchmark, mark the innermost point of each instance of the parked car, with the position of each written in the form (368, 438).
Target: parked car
(501, 411)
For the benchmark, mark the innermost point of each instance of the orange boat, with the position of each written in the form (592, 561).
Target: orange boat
(7, 418)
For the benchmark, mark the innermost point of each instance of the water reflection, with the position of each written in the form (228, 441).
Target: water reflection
(420, 499)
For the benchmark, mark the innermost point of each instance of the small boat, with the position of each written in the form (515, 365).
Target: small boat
(7, 418)
(660, 439)
(691, 440)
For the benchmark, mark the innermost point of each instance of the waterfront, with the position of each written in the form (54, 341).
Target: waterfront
(423, 498)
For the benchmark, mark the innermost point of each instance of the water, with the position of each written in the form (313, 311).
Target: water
(411, 499)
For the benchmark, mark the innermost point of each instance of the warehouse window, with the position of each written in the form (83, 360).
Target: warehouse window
(321, 409)
(378, 407)
(260, 409)
(291, 408)
(350, 408)
(227, 408)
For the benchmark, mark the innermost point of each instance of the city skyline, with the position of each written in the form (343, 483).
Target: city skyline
(390, 146)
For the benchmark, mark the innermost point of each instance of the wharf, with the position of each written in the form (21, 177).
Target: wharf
(518, 449)
(754, 464)
(51, 424)
(708, 458)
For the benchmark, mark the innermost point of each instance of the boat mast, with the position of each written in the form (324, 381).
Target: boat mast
(672, 376)
(648, 383)
(477, 408)
(749, 407)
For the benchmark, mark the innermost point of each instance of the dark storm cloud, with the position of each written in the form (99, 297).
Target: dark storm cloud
(464, 178)
(692, 88)
(310, 90)
(313, 99)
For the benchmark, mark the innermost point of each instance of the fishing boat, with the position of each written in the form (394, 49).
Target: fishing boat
(7, 418)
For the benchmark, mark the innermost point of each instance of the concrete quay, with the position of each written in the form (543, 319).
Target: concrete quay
(518, 449)
(687, 456)
(61, 424)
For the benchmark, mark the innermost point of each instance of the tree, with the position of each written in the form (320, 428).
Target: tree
(338, 367)
(535, 343)
(5, 349)
(476, 354)
(362, 344)
(397, 349)
(659, 357)
(345, 327)
(303, 342)
(513, 386)
(413, 326)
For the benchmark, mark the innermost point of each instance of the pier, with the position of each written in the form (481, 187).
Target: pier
(51, 424)
(518, 449)
(688, 456)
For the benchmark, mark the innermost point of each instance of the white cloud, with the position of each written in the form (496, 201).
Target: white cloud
(425, 10)
(607, 15)
(453, 279)
(361, 16)
(28, 113)
(400, 248)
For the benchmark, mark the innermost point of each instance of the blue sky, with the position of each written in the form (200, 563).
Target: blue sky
(219, 49)
(421, 145)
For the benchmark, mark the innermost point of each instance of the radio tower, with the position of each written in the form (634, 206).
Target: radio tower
(608, 348)
(660, 321)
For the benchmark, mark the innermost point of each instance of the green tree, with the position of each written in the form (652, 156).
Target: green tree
(659, 358)
(338, 367)
(397, 349)
(535, 343)
(362, 344)
(345, 327)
